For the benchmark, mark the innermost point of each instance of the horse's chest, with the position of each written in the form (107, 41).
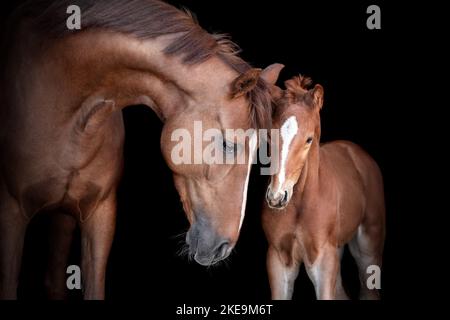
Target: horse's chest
(73, 194)
(81, 198)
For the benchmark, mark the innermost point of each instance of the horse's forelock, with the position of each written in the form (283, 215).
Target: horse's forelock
(297, 87)
(261, 106)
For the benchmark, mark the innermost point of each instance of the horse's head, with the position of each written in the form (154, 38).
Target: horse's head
(298, 120)
(210, 148)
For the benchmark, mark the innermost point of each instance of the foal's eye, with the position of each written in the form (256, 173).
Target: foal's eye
(229, 147)
(309, 140)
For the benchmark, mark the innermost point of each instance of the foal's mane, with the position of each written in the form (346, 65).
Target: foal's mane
(297, 87)
(146, 19)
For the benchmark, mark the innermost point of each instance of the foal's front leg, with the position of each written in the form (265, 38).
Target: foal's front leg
(97, 234)
(324, 273)
(282, 275)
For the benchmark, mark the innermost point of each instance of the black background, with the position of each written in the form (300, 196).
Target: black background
(362, 71)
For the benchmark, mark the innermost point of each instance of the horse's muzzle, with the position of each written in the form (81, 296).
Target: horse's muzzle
(205, 245)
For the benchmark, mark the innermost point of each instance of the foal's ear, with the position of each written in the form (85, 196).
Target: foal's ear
(271, 73)
(315, 96)
(245, 83)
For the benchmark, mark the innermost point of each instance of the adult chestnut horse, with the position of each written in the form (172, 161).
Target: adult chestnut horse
(321, 198)
(62, 133)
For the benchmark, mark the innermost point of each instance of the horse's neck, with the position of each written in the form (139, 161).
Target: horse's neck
(128, 71)
(81, 81)
(144, 74)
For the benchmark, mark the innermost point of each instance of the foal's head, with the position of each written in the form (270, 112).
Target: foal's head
(297, 117)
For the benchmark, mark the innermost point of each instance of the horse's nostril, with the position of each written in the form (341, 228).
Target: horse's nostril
(223, 246)
(268, 194)
(285, 197)
(222, 249)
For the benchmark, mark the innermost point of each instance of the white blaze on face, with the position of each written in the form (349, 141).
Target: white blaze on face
(288, 131)
(252, 151)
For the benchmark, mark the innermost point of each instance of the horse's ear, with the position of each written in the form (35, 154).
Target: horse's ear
(245, 83)
(315, 96)
(271, 73)
(275, 92)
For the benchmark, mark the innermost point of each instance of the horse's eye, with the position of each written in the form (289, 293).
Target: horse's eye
(229, 147)
(309, 140)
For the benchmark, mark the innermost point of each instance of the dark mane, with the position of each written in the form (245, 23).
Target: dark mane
(146, 19)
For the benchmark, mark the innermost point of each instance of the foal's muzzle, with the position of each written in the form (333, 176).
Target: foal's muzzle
(205, 245)
(277, 200)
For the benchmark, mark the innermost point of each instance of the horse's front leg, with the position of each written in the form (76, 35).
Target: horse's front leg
(13, 225)
(282, 274)
(62, 227)
(97, 234)
(324, 273)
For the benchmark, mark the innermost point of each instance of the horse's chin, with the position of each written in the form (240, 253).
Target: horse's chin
(206, 262)
(212, 259)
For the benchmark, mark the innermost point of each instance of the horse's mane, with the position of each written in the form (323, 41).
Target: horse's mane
(146, 19)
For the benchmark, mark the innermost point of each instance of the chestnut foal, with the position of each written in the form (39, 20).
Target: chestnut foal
(337, 198)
